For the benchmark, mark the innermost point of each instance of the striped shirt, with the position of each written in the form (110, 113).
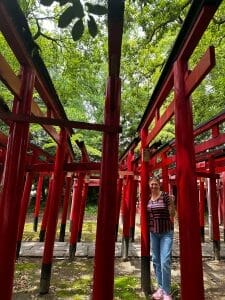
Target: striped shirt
(158, 215)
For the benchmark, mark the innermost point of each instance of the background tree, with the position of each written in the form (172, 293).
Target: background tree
(78, 67)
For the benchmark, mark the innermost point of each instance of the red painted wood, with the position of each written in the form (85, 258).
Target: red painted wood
(38, 196)
(214, 203)
(220, 204)
(47, 207)
(73, 200)
(201, 202)
(12, 185)
(191, 278)
(82, 209)
(24, 204)
(76, 209)
(145, 242)
(118, 201)
(163, 93)
(219, 140)
(84, 153)
(216, 120)
(133, 202)
(215, 131)
(223, 182)
(167, 115)
(8, 116)
(145, 248)
(55, 198)
(193, 80)
(82, 166)
(66, 201)
(188, 47)
(204, 66)
(165, 176)
(127, 198)
(68, 167)
(94, 182)
(197, 31)
(106, 222)
(157, 114)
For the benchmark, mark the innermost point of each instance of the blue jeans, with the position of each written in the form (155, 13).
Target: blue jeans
(161, 247)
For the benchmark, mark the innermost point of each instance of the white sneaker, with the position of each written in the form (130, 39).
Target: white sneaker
(167, 297)
(158, 294)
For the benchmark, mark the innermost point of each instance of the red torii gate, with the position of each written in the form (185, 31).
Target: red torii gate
(177, 75)
(184, 83)
(13, 25)
(106, 223)
(162, 157)
(105, 244)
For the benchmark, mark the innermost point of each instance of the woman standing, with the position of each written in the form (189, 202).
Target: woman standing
(161, 211)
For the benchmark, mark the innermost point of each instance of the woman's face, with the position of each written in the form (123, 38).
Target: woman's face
(154, 185)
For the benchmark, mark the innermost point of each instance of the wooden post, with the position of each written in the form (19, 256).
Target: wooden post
(118, 203)
(106, 223)
(82, 209)
(202, 208)
(214, 210)
(12, 184)
(38, 201)
(76, 215)
(46, 212)
(65, 208)
(145, 235)
(55, 198)
(188, 209)
(23, 210)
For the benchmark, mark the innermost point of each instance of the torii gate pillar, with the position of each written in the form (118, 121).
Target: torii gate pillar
(12, 184)
(188, 211)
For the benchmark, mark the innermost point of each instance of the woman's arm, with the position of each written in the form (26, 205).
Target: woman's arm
(172, 208)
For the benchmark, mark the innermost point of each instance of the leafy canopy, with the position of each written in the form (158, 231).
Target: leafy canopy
(78, 64)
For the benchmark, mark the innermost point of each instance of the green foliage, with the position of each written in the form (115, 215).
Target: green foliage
(68, 15)
(70, 280)
(46, 2)
(79, 70)
(92, 26)
(208, 98)
(148, 38)
(26, 266)
(92, 198)
(91, 208)
(88, 229)
(40, 138)
(78, 30)
(175, 290)
(78, 11)
(125, 287)
(62, 2)
(96, 9)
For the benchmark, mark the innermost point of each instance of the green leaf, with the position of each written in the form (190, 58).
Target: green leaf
(46, 2)
(79, 11)
(78, 30)
(92, 26)
(72, 12)
(96, 9)
(66, 17)
(63, 2)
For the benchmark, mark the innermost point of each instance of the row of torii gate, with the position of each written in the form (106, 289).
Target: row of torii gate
(182, 163)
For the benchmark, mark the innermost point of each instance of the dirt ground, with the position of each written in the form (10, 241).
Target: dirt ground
(214, 280)
(72, 280)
